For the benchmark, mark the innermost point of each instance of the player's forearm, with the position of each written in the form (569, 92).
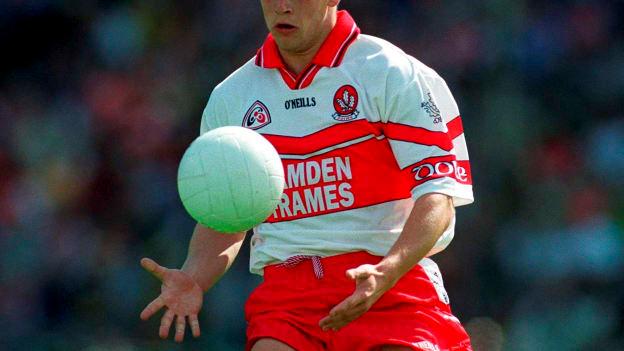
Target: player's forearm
(430, 217)
(210, 255)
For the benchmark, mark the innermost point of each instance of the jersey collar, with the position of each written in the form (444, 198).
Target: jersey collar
(329, 55)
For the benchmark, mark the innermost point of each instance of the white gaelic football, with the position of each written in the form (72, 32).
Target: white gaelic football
(230, 179)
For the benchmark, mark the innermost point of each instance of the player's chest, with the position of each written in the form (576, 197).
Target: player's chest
(273, 108)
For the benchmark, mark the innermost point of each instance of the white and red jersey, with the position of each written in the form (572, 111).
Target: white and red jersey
(363, 131)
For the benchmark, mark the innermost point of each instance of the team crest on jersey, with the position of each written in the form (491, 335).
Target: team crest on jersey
(432, 109)
(257, 116)
(345, 103)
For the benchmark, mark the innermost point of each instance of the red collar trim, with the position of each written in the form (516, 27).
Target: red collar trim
(331, 52)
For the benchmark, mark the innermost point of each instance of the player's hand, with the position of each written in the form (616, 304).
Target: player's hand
(370, 285)
(181, 296)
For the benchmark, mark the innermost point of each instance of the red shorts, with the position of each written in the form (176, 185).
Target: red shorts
(291, 301)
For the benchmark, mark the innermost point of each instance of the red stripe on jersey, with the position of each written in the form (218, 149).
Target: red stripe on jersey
(341, 180)
(418, 135)
(455, 127)
(336, 134)
(355, 176)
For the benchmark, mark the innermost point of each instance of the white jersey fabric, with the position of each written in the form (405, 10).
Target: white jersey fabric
(363, 132)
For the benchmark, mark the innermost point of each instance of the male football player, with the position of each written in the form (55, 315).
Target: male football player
(375, 162)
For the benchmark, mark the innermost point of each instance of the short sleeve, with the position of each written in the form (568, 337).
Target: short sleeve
(424, 129)
(213, 114)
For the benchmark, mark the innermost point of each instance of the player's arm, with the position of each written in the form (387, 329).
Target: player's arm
(431, 215)
(209, 256)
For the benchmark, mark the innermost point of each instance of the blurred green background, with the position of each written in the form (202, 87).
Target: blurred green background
(98, 100)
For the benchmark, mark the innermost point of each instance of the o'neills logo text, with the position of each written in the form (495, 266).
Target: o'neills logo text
(299, 103)
(314, 187)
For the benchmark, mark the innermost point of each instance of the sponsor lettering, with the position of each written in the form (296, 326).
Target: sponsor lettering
(451, 168)
(315, 187)
(299, 103)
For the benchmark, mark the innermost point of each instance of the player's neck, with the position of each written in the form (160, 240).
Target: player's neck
(296, 62)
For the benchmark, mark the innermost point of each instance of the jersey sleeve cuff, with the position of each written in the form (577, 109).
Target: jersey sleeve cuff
(461, 193)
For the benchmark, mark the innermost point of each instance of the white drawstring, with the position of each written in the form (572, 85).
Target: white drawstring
(297, 259)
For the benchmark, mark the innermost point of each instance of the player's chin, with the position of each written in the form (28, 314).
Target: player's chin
(288, 43)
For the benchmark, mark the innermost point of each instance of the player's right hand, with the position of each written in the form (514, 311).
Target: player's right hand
(181, 296)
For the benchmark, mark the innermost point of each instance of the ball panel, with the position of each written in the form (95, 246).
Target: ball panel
(255, 162)
(238, 177)
(190, 178)
(253, 175)
(197, 206)
(276, 186)
(192, 185)
(190, 165)
(273, 183)
(215, 161)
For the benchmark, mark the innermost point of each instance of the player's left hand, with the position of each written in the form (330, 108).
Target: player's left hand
(370, 285)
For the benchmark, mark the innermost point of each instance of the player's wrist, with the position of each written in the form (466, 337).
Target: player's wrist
(390, 269)
(194, 275)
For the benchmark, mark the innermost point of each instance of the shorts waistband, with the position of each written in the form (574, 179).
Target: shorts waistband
(305, 264)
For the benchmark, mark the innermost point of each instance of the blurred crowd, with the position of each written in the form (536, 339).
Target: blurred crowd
(99, 99)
